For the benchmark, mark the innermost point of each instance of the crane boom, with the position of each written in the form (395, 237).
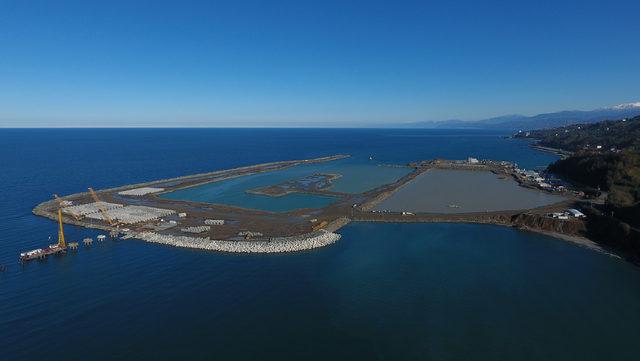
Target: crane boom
(61, 241)
(60, 205)
(101, 207)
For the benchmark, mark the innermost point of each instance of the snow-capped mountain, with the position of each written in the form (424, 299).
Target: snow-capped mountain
(635, 105)
(540, 121)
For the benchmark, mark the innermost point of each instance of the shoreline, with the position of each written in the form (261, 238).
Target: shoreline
(582, 241)
(327, 236)
(577, 240)
(557, 151)
(284, 232)
(223, 173)
(309, 241)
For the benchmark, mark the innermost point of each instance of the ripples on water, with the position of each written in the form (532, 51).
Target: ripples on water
(430, 291)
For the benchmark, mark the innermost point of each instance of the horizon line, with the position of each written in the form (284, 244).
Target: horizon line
(239, 127)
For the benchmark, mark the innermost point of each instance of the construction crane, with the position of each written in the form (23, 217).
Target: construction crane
(40, 253)
(60, 205)
(102, 208)
(61, 241)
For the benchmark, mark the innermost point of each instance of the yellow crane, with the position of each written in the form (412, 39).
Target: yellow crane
(101, 208)
(60, 202)
(61, 241)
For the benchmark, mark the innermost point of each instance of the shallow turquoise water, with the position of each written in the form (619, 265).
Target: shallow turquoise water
(384, 291)
(358, 175)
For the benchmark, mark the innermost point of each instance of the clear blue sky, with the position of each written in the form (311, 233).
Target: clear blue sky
(266, 63)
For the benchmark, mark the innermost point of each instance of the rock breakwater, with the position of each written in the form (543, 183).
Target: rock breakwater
(272, 245)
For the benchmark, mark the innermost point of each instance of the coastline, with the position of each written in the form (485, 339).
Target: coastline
(583, 241)
(281, 234)
(557, 151)
(213, 176)
(578, 240)
(575, 239)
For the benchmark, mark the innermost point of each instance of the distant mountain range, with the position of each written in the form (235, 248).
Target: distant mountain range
(540, 121)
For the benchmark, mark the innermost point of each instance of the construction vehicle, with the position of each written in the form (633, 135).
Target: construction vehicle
(102, 209)
(40, 253)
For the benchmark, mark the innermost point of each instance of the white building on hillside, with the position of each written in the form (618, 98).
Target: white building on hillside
(576, 213)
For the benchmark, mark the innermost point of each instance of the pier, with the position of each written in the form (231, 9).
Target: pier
(41, 253)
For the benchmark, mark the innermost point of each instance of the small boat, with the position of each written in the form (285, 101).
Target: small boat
(454, 206)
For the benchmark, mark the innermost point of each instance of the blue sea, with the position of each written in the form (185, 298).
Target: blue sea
(384, 291)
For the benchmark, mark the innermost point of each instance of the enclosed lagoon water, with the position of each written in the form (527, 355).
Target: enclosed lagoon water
(384, 291)
(464, 191)
(360, 175)
(356, 175)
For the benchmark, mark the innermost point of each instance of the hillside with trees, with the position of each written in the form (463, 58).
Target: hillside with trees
(617, 173)
(605, 156)
(609, 135)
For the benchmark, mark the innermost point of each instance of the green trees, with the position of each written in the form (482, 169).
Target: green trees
(603, 136)
(606, 157)
(616, 173)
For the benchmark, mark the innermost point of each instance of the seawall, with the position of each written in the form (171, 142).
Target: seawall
(273, 245)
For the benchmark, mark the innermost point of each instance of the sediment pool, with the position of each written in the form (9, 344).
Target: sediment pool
(463, 191)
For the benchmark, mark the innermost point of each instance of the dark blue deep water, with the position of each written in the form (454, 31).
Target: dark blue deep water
(384, 291)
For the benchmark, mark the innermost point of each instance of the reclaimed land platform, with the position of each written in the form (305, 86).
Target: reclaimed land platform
(138, 212)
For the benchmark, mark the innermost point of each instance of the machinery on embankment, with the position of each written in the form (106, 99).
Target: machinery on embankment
(40, 253)
(62, 246)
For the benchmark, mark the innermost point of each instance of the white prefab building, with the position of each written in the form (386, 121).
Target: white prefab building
(214, 222)
(472, 160)
(82, 210)
(576, 213)
(133, 214)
